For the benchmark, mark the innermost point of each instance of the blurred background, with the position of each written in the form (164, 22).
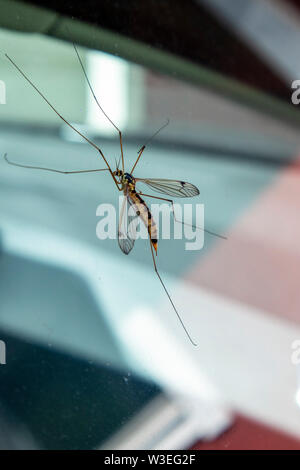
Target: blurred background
(91, 339)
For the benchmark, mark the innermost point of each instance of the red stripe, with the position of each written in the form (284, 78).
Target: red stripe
(247, 434)
(259, 264)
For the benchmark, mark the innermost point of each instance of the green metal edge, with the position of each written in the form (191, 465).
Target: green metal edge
(29, 18)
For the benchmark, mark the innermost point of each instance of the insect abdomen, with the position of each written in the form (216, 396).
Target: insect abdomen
(144, 212)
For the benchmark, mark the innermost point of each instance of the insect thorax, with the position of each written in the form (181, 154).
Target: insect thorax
(128, 178)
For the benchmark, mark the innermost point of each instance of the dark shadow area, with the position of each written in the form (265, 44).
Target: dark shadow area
(65, 402)
(186, 29)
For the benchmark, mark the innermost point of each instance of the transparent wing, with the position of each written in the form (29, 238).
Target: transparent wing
(127, 226)
(171, 187)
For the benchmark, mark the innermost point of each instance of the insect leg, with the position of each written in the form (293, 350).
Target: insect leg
(139, 156)
(50, 169)
(62, 118)
(144, 146)
(181, 221)
(169, 297)
(99, 105)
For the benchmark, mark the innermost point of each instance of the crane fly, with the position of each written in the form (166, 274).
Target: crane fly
(126, 183)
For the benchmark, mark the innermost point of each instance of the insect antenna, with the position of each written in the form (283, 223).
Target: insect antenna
(119, 161)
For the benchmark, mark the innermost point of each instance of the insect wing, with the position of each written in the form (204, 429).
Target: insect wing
(171, 187)
(127, 226)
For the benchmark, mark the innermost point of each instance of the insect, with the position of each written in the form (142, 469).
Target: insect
(126, 183)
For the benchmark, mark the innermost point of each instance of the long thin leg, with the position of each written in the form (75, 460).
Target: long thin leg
(165, 289)
(181, 221)
(99, 105)
(50, 169)
(156, 132)
(63, 119)
(144, 146)
(139, 156)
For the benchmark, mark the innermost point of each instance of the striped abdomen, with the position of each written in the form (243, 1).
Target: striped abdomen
(146, 216)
